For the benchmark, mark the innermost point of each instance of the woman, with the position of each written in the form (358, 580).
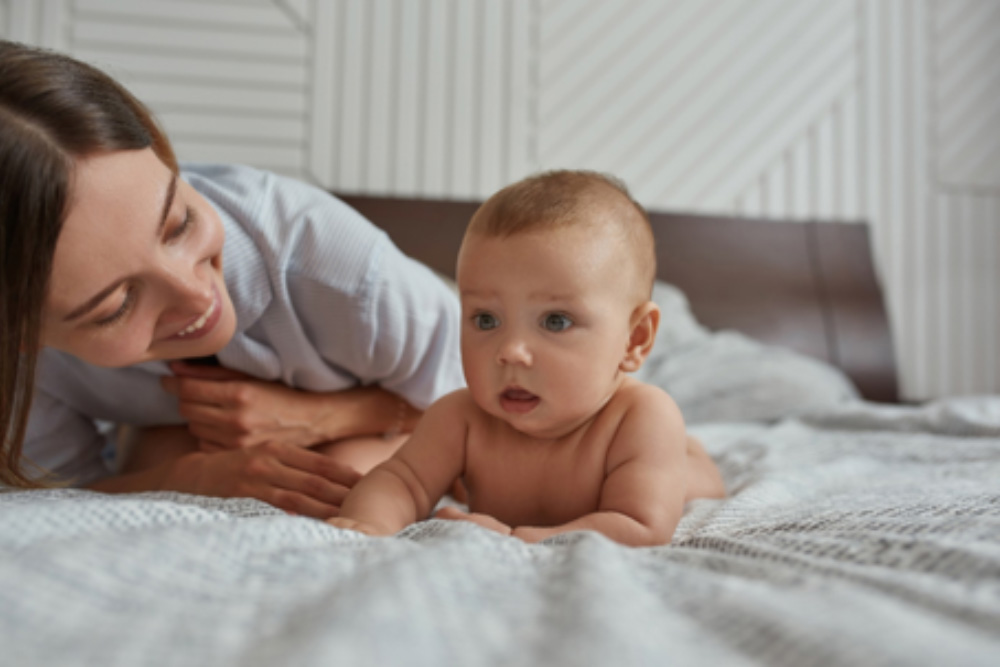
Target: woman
(117, 265)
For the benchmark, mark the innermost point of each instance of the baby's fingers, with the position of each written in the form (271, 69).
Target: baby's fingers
(351, 524)
(451, 514)
(484, 520)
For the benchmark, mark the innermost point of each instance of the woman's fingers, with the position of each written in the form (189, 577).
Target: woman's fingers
(288, 474)
(209, 447)
(197, 390)
(290, 478)
(204, 413)
(219, 438)
(317, 464)
(302, 504)
(207, 372)
(305, 494)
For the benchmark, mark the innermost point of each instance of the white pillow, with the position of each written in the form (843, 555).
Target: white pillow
(726, 376)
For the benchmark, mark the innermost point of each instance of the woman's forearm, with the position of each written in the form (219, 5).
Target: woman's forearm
(287, 476)
(156, 478)
(362, 411)
(151, 461)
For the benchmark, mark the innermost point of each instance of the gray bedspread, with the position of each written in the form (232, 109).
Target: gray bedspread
(860, 535)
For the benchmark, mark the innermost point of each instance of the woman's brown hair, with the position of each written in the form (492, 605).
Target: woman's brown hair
(54, 110)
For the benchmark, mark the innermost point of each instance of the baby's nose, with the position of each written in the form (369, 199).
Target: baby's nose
(514, 351)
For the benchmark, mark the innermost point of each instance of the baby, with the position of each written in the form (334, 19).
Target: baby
(555, 275)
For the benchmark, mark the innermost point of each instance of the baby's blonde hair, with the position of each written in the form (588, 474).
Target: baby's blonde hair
(556, 199)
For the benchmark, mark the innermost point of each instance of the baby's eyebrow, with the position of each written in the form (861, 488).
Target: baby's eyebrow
(551, 296)
(476, 293)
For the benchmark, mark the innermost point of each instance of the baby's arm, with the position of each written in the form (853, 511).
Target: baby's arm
(642, 499)
(405, 488)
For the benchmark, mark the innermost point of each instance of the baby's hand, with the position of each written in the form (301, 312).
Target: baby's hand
(357, 526)
(484, 520)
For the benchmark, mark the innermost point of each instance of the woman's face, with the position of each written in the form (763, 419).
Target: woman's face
(137, 272)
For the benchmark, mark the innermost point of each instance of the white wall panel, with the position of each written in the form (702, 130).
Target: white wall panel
(182, 67)
(264, 16)
(231, 81)
(936, 243)
(966, 103)
(191, 38)
(41, 22)
(285, 159)
(428, 96)
(407, 121)
(690, 101)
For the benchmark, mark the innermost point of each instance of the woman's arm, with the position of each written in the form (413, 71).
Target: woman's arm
(226, 409)
(291, 478)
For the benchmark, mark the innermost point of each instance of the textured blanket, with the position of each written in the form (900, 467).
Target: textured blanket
(865, 535)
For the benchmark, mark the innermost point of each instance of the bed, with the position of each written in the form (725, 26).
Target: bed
(857, 530)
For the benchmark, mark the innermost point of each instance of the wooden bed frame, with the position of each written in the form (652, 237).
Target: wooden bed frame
(808, 286)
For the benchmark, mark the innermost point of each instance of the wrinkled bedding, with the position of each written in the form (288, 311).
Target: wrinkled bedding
(856, 534)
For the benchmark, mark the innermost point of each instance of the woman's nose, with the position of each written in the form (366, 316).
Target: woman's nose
(514, 351)
(190, 287)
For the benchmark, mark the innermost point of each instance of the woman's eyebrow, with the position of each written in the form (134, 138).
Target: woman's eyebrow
(95, 301)
(168, 201)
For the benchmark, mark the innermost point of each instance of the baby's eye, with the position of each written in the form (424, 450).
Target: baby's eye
(485, 321)
(556, 322)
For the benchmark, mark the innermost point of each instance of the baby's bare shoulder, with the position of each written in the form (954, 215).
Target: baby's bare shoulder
(457, 404)
(638, 399)
(649, 416)
(460, 399)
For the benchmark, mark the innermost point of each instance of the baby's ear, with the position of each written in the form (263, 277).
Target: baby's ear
(645, 321)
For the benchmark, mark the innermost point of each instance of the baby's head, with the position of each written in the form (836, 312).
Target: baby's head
(555, 275)
(588, 201)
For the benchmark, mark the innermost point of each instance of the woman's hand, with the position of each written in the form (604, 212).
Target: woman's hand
(484, 520)
(227, 409)
(296, 480)
(291, 478)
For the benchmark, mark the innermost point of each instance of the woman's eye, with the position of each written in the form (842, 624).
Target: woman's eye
(190, 218)
(119, 314)
(485, 321)
(556, 322)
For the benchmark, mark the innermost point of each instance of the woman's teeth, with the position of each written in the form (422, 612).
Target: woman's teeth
(198, 323)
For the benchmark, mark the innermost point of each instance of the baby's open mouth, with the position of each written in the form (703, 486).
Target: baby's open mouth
(518, 400)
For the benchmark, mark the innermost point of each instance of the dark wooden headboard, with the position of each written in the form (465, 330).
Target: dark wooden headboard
(808, 286)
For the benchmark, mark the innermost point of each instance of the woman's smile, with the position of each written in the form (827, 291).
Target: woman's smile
(204, 324)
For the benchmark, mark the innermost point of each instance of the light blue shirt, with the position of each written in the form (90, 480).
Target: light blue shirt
(324, 301)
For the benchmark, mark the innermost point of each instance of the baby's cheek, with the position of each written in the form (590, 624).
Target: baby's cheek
(478, 383)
